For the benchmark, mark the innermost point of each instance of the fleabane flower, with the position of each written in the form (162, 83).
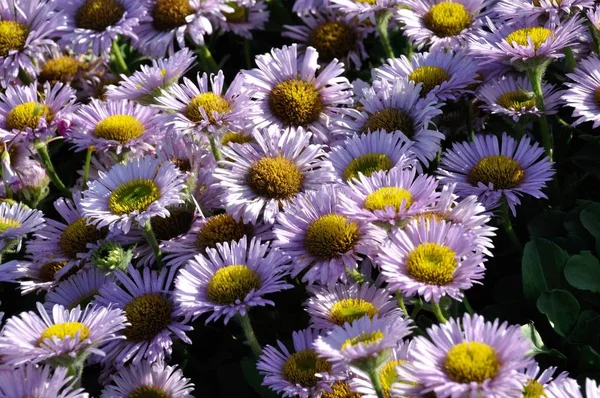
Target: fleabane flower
(17, 220)
(41, 274)
(568, 388)
(431, 259)
(552, 9)
(538, 382)
(288, 93)
(298, 373)
(247, 15)
(38, 381)
(496, 169)
(440, 23)
(364, 9)
(231, 279)
(388, 197)
(257, 179)
(61, 336)
(132, 192)
(583, 94)
(338, 304)
(321, 240)
(469, 357)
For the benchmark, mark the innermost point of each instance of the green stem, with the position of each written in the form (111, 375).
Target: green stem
(570, 59)
(435, 307)
(355, 275)
(86, 169)
(467, 305)
(248, 54)
(382, 22)
(535, 77)
(42, 150)
(244, 321)
(417, 307)
(75, 371)
(207, 59)
(376, 382)
(151, 238)
(25, 78)
(401, 304)
(116, 51)
(215, 150)
(508, 227)
(469, 121)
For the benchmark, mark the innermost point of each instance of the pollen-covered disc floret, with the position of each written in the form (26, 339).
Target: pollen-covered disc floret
(30, 337)
(232, 278)
(469, 356)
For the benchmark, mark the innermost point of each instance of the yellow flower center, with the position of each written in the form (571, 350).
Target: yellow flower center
(369, 2)
(170, 14)
(178, 223)
(275, 178)
(388, 196)
(340, 389)
(64, 330)
(330, 236)
(295, 102)
(7, 224)
(516, 100)
(538, 35)
(502, 171)
(367, 164)
(390, 120)
(447, 19)
(351, 309)
(221, 228)
(99, 14)
(366, 338)
(209, 102)
(232, 283)
(13, 36)
(333, 39)
(76, 236)
(429, 76)
(239, 14)
(429, 216)
(301, 367)
(388, 375)
(148, 392)
(120, 128)
(431, 263)
(237, 138)
(534, 389)
(61, 69)
(49, 270)
(148, 315)
(27, 115)
(134, 195)
(471, 361)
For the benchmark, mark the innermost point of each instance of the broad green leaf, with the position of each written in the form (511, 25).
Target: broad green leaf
(561, 309)
(590, 218)
(542, 267)
(529, 332)
(586, 329)
(583, 272)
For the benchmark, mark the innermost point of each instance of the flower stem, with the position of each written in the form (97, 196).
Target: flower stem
(376, 382)
(467, 305)
(570, 59)
(508, 227)
(417, 307)
(438, 312)
(469, 121)
(215, 150)
(75, 371)
(86, 169)
(42, 150)
(207, 59)
(244, 321)
(401, 304)
(116, 51)
(151, 238)
(248, 54)
(535, 77)
(382, 22)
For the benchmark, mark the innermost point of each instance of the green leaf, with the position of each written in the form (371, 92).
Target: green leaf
(542, 267)
(590, 218)
(529, 332)
(583, 272)
(561, 309)
(254, 378)
(586, 329)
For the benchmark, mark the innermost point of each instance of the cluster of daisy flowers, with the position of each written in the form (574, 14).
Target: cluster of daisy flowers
(199, 195)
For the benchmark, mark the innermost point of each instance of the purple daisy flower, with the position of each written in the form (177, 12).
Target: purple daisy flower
(27, 28)
(388, 197)
(538, 382)
(36, 275)
(338, 304)
(231, 279)
(431, 259)
(95, 24)
(304, 7)
(513, 97)
(554, 9)
(204, 107)
(153, 316)
(17, 220)
(146, 84)
(441, 24)
(583, 93)
(334, 36)
(247, 15)
(568, 388)
(26, 111)
(362, 341)
(115, 125)
(38, 381)
(470, 357)
(322, 241)
(30, 337)
(300, 373)
(147, 379)
(364, 10)
(446, 75)
(259, 178)
(132, 192)
(396, 105)
(525, 43)
(368, 153)
(495, 170)
(289, 94)
(79, 289)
